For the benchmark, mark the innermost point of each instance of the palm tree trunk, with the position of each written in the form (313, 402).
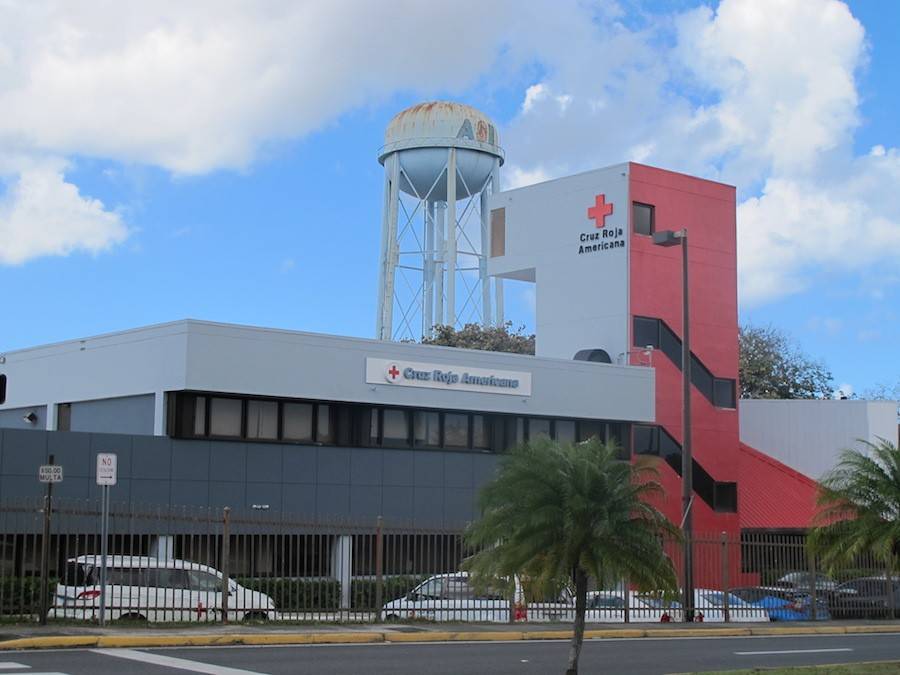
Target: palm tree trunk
(578, 633)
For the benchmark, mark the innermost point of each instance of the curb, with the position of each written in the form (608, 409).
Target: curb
(364, 637)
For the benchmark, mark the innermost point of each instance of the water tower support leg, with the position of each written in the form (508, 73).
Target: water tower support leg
(483, 278)
(440, 237)
(451, 238)
(428, 271)
(393, 251)
(383, 255)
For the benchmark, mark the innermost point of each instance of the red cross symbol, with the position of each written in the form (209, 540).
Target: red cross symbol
(600, 210)
(200, 609)
(393, 372)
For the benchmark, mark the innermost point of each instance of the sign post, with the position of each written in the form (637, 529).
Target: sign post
(48, 473)
(107, 465)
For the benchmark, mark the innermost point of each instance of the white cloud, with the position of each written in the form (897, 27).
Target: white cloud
(42, 214)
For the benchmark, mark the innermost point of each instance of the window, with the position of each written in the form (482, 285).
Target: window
(538, 428)
(225, 417)
(515, 431)
(262, 419)
(564, 431)
(642, 218)
(298, 421)
(645, 332)
(456, 430)
(590, 429)
(645, 439)
(725, 499)
(324, 428)
(481, 432)
(64, 417)
(394, 427)
(427, 429)
(2, 389)
(200, 416)
(723, 393)
(498, 232)
(204, 581)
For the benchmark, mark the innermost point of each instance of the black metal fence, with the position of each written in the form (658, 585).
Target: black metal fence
(216, 565)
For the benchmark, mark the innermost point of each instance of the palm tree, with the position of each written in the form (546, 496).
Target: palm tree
(859, 506)
(557, 512)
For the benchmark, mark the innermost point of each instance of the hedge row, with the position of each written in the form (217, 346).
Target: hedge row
(22, 595)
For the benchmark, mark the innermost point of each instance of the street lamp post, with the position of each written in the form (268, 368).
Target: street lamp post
(671, 238)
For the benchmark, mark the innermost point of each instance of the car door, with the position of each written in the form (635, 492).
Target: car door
(428, 600)
(206, 597)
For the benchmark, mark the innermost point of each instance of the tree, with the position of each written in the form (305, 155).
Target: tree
(859, 506)
(771, 366)
(559, 512)
(492, 338)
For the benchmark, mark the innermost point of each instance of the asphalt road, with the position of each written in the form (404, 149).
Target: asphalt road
(647, 656)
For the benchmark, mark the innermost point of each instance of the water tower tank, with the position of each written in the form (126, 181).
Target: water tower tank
(420, 136)
(435, 155)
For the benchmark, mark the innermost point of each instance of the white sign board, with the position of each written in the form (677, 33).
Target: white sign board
(50, 473)
(106, 468)
(447, 376)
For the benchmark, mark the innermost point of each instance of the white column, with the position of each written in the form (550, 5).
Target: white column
(439, 266)
(428, 272)
(163, 547)
(498, 282)
(384, 254)
(451, 238)
(387, 330)
(159, 413)
(342, 566)
(51, 416)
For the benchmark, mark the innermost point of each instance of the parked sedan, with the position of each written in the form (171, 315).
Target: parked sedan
(800, 581)
(783, 604)
(710, 608)
(865, 598)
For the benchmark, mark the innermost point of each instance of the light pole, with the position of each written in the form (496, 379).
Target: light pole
(671, 238)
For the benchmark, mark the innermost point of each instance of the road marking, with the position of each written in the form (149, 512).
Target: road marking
(9, 665)
(795, 651)
(171, 662)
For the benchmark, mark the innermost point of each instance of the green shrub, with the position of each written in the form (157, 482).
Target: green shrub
(297, 595)
(22, 595)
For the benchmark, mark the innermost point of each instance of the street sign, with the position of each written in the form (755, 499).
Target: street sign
(106, 468)
(50, 473)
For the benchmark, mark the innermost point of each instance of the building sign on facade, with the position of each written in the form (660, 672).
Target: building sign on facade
(444, 376)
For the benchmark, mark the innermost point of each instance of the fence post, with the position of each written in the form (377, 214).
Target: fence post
(379, 568)
(226, 556)
(725, 583)
(45, 552)
(892, 602)
(813, 591)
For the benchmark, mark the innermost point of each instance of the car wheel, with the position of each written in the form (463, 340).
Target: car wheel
(132, 616)
(392, 617)
(256, 616)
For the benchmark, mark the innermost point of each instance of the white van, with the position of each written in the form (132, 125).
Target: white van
(151, 589)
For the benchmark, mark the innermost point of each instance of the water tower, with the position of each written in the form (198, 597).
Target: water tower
(441, 162)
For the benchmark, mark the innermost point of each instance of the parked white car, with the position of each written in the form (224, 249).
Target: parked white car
(153, 589)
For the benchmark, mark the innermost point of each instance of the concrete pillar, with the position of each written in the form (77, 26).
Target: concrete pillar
(159, 413)
(163, 547)
(342, 565)
(51, 416)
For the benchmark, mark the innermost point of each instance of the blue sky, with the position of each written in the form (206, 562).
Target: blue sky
(168, 162)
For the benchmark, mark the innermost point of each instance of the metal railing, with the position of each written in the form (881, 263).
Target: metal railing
(221, 565)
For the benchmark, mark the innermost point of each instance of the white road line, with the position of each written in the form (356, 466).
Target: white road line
(171, 662)
(9, 665)
(795, 651)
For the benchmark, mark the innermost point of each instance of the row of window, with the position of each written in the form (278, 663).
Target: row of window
(197, 415)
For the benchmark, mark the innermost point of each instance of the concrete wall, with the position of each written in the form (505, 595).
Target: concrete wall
(11, 418)
(421, 487)
(809, 435)
(128, 415)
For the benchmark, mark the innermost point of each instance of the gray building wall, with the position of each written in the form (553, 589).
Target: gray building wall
(415, 487)
(127, 415)
(12, 418)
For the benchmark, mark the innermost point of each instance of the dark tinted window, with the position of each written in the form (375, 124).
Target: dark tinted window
(77, 574)
(427, 428)
(642, 217)
(2, 389)
(298, 421)
(645, 440)
(726, 497)
(324, 427)
(481, 432)
(538, 428)
(670, 344)
(701, 378)
(64, 417)
(225, 417)
(262, 419)
(456, 430)
(723, 393)
(588, 430)
(395, 427)
(646, 332)
(564, 431)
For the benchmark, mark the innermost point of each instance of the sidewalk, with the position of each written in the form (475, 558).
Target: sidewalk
(27, 636)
